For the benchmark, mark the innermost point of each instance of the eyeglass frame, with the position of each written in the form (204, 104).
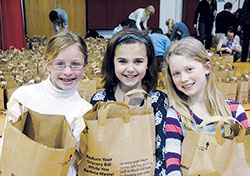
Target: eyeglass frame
(73, 69)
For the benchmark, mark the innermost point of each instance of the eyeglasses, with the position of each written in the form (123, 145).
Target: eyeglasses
(75, 66)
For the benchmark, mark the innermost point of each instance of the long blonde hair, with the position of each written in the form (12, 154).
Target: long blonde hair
(215, 103)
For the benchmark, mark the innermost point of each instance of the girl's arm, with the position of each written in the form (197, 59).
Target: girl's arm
(238, 112)
(174, 138)
(236, 44)
(242, 116)
(145, 23)
(220, 48)
(160, 104)
(139, 20)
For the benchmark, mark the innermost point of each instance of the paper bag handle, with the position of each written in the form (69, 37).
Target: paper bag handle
(103, 112)
(126, 97)
(217, 119)
(222, 121)
(133, 91)
(225, 121)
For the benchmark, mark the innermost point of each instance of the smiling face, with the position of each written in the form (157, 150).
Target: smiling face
(189, 76)
(130, 62)
(66, 79)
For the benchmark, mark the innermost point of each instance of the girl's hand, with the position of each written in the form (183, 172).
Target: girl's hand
(229, 50)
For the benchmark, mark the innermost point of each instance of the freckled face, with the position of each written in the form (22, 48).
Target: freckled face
(130, 62)
(189, 76)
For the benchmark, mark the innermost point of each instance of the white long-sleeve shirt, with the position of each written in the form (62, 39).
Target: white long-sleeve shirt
(47, 99)
(139, 15)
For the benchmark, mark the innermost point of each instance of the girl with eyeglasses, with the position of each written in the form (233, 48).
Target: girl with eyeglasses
(66, 59)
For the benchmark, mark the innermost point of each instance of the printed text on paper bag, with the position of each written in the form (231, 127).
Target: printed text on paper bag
(103, 166)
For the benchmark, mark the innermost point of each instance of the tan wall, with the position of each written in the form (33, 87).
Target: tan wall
(37, 16)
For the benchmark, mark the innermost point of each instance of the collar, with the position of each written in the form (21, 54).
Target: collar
(52, 90)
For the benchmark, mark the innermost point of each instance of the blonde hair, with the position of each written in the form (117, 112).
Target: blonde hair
(215, 103)
(150, 10)
(170, 23)
(62, 40)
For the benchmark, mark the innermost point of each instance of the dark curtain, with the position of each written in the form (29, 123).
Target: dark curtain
(107, 14)
(188, 11)
(12, 31)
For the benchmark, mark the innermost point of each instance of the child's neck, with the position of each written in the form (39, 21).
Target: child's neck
(121, 90)
(198, 107)
(200, 110)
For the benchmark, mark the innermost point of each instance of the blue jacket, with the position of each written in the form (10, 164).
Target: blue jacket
(181, 28)
(160, 42)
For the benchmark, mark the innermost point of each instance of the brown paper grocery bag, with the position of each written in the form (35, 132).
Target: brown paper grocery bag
(9, 92)
(141, 110)
(37, 144)
(2, 99)
(215, 155)
(239, 163)
(116, 142)
(242, 92)
(2, 122)
(228, 89)
(86, 88)
(223, 75)
(228, 59)
(99, 83)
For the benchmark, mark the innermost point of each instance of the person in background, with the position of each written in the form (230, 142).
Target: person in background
(177, 28)
(93, 33)
(237, 15)
(130, 63)
(66, 59)
(193, 96)
(204, 14)
(161, 45)
(140, 17)
(125, 24)
(244, 24)
(230, 44)
(224, 19)
(59, 17)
